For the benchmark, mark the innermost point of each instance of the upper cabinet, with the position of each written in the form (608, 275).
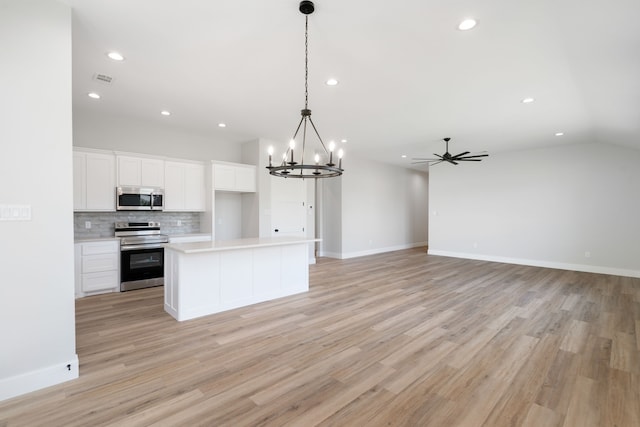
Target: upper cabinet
(94, 181)
(234, 177)
(140, 171)
(184, 186)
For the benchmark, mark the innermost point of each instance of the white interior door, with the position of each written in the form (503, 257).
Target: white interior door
(288, 213)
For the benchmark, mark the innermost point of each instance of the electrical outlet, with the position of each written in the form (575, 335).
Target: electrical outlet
(87, 224)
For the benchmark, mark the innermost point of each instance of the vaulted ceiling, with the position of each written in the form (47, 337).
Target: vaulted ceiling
(407, 75)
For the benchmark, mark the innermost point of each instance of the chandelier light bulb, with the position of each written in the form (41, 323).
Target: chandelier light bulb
(292, 144)
(270, 151)
(317, 158)
(340, 153)
(332, 146)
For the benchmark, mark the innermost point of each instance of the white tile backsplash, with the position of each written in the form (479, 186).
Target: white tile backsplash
(102, 223)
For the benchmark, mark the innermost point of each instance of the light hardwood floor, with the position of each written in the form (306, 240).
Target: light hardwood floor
(398, 339)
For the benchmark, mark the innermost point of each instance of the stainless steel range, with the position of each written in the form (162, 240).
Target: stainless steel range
(141, 254)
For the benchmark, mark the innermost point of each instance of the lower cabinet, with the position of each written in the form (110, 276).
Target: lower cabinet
(97, 267)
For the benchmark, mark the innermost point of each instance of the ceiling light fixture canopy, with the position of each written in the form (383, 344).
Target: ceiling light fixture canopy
(289, 167)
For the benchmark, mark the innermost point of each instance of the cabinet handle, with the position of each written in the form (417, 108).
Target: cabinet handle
(276, 230)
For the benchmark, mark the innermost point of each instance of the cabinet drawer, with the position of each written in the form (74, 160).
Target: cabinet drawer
(106, 280)
(94, 248)
(95, 263)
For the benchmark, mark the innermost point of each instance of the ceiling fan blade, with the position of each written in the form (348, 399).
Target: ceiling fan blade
(468, 160)
(473, 157)
(435, 163)
(452, 161)
(462, 154)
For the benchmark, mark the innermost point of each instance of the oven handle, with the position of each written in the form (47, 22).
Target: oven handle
(134, 247)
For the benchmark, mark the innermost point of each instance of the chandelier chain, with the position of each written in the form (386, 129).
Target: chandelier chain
(306, 62)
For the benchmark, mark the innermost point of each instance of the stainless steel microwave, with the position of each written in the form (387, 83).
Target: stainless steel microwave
(139, 199)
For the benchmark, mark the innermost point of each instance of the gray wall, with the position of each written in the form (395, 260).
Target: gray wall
(574, 207)
(373, 208)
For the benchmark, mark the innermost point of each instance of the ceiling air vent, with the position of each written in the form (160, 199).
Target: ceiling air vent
(103, 78)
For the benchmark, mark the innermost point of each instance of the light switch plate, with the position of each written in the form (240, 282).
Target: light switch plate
(15, 212)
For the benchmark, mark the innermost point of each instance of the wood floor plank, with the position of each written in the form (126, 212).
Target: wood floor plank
(397, 339)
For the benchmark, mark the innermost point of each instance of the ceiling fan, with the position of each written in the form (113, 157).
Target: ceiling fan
(446, 157)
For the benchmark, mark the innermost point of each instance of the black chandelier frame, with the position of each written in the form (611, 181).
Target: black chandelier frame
(289, 168)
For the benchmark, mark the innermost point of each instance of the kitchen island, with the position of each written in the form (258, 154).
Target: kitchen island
(203, 278)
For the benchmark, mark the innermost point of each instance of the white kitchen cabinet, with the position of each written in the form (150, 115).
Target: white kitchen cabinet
(97, 267)
(184, 186)
(140, 171)
(234, 177)
(93, 181)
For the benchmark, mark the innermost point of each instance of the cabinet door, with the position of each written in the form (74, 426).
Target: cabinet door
(246, 179)
(128, 171)
(224, 177)
(101, 281)
(173, 186)
(79, 181)
(137, 171)
(152, 172)
(194, 188)
(100, 182)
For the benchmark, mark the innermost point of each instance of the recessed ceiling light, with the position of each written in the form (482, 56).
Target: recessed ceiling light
(527, 100)
(344, 141)
(332, 82)
(222, 125)
(467, 24)
(115, 56)
(165, 113)
(404, 156)
(93, 95)
(559, 133)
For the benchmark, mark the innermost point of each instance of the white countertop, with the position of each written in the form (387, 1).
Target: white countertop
(189, 235)
(96, 239)
(225, 245)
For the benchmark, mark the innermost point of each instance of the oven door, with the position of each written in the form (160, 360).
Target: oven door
(141, 267)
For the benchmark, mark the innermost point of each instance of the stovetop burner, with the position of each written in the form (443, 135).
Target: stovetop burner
(139, 233)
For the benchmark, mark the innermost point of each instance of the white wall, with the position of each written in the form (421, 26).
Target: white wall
(228, 215)
(37, 312)
(544, 207)
(383, 208)
(148, 137)
(329, 225)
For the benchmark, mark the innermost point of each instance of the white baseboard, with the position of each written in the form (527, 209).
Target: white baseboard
(374, 251)
(38, 379)
(539, 263)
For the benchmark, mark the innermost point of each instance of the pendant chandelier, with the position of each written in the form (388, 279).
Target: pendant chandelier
(289, 167)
